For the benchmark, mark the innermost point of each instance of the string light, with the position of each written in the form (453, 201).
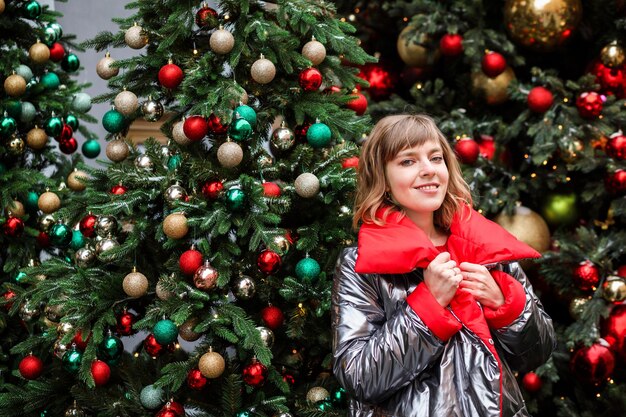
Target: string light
(565, 100)
(533, 175)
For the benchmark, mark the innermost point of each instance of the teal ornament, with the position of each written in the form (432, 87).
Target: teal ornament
(57, 28)
(53, 126)
(14, 108)
(71, 360)
(91, 148)
(32, 9)
(325, 405)
(247, 113)
(308, 269)
(245, 413)
(235, 198)
(152, 397)
(20, 277)
(60, 235)
(174, 162)
(28, 111)
(70, 63)
(110, 349)
(31, 201)
(44, 413)
(72, 121)
(113, 121)
(50, 81)
(8, 126)
(165, 332)
(240, 129)
(50, 35)
(339, 398)
(25, 72)
(78, 240)
(318, 135)
(81, 102)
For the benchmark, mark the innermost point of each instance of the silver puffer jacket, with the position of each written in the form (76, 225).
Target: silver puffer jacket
(398, 353)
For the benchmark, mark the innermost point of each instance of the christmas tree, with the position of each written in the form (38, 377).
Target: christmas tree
(39, 100)
(213, 250)
(531, 96)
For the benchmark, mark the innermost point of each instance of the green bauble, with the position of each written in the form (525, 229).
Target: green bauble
(560, 209)
(8, 125)
(247, 113)
(32, 9)
(60, 235)
(113, 121)
(174, 162)
(165, 332)
(25, 72)
(308, 269)
(152, 397)
(32, 201)
(14, 108)
(240, 129)
(28, 112)
(70, 63)
(318, 135)
(91, 148)
(325, 405)
(50, 81)
(81, 102)
(78, 240)
(72, 121)
(235, 198)
(50, 36)
(57, 28)
(110, 349)
(53, 126)
(71, 360)
(339, 398)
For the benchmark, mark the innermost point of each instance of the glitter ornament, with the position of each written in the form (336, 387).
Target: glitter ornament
(221, 41)
(76, 181)
(126, 102)
(413, 54)
(104, 68)
(49, 202)
(117, 150)
(314, 51)
(586, 275)
(165, 332)
(36, 138)
(307, 185)
(15, 85)
(262, 71)
(39, 53)
(113, 121)
(175, 226)
(81, 102)
(272, 317)
(229, 154)
(316, 394)
(212, 365)
(271, 189)
(178, 134)
(135, 38)
(190, 261)
(186, 330)
(135, 284)
(152, 397)
(308, 269)
(318, 135)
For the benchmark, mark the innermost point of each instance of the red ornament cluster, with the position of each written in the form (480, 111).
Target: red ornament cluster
(613, 330)
(125, 321)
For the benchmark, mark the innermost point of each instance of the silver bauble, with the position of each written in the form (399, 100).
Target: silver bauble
(143, 161)
(267, 336)
(205, 277)
(282, 139)
(316, 394)
(28, 312)
(307, 185)
(179, 135)
(263, 70)
(166, 152)
(314, 51)
(126, 103)
(59, 349)
(105, 245)
(45, 222)
(229, 154)
(106, 226)
(117, 150)
(174, 193)
(152, 110)
(245, 288)
(135, 38)
(282, 244)
(104, 68)
(221, 41)
(84, 257)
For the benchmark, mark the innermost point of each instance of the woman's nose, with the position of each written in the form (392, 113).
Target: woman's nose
(426, 169)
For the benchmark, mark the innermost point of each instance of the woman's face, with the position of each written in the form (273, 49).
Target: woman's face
(417, 179)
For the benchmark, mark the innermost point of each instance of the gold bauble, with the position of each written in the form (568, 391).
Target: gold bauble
(36, 139)
(576, 306)
(135, 284)
(314, 51)
(15, 209)
(229, 154)
(185, 331)
(104, 68)
(263, 70)
(492, 90)
(15, 85)
(612, 55)
(175, 226)
(77, 180)
(541, 25)
(221, 41)
(614, 289)
(412, 54)
(117, 150)
(15, 145)
(126, 102)
(527, 226)
(212, 365)
(49, 202)
(307, 185)
(39, 53)
(135, 38)
(316, 394)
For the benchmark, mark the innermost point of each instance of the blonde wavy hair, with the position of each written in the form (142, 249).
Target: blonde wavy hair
(391, 135)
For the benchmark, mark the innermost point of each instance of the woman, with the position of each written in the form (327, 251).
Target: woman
(431, 313)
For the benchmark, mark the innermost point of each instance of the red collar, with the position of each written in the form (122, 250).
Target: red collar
(400, 246)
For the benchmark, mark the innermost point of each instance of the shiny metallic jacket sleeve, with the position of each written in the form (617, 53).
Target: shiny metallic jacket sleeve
(530, 339)
(375, 357)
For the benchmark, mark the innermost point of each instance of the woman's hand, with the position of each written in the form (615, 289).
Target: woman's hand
(478, 281)
(442, 278)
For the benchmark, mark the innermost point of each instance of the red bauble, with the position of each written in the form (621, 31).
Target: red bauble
(271, 189)
(586, 275)
(100, 372)
(487, 146)
(195, 128)
(206, 17)
(212, 189)
(621, 271)
(254, 374)
(152, 347)
(532, 382)
(125, 321)
(31, 367)
(190, 261)
(540, 99)
(43, 240)
(68, 146)
(66, 133)
(615, 183)
(352, 162)
(216, 127)
(614, 331)
(611, 80)
(174, 407)
(593, 364)
(310, 79)
(13, 227)
(170, 76)
(616, 147)
(78, 340)
(195, 380)
(87, 225)
(272, 317)
(382, 81)
(451, 44)
(493, 64)
(268, 262)
(467, 149)
(57, 52)
(300, 131)
(119, 189)
(358, 104)
(590, 104)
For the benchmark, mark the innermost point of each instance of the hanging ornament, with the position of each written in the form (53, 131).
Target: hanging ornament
(8, 126)
(268, 262)
(262, 71)
(32, 9)
(493, 64)
(50, 81)
(105, 68)
(106, 226)
(381, 80)
(616, 147)
(28, 312)
(124, 325)
(272, 317)
(531, 382)
(84, 257)
(165, 332)
(205, 277)
(358, 103)
(78, 240)
(307, 185)
(300, 131)
(16, 209)
(308, 269)
(586, 275)
(221, 41)
(613, 55)
(282, 139)
(212, 189)
(45, 222)
(254, 373)
(111, 349)
(126, 103)
(271, 189)
(162, 292)
(235, 199)
(527, 226)
(319, 135)
(613, 330)
(57, 52)
(186, 330)
(71, 360)
(590, 104)
(195, 380)
(310, 79)
(65, 134)
(28, 112)
(81, 102)
(25, 72)
(39, 53)
(117, 150)
(79, 341)
(113, 121)
(244, 288)
(229, 154)
(467, 150)
(178, 133)
(206, 17)
(240, 129)
(540, 99)
(15, 85)
(135, 37)
(49, 202)
(560, 209)
(151, 110)
(175, 226)
(172, 409)
(91, 148)
(31, 367)
(60, 235)
(212, 365)
(351, 162)
(492, 90)
(246, 112)
(70, 63)
(100, 372)
(317, 394)
(170, 75)
(143, 162)
(16, 146)
(542, 26)
(152, 397)
(13, 227)
(451, 44)
(135, 284)
(615, 183)
(2, 6)
(215, 125)
(87, 225)
(314, 51)
(593, 364)
(195, 128)
(152, 347)
(103, 246)
(614, 289)
(413, 54)
(267, 336)
(76, 181)
(175, 193)
(577, 306)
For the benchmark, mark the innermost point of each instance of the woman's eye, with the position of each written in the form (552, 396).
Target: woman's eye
(406, 162)
(437, 158)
